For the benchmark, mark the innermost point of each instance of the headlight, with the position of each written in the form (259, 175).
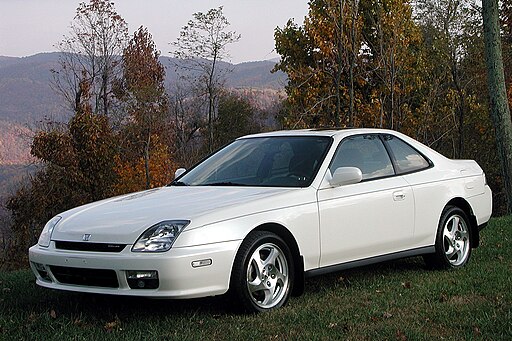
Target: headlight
(46, 234)
(160, 237)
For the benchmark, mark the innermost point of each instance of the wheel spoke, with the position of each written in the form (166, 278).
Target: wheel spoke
(456, 222)
(450, 242)
(464, 235)
(458, 256)
(256, 285)
(269, 296)
(447, 235)
(257, 265)
(461, 245)
(450, 252)
(271, 258)
(280, 278)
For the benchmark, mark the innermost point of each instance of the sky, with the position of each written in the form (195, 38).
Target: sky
(28, 27)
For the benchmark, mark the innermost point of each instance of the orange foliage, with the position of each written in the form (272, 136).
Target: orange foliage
(132, 173)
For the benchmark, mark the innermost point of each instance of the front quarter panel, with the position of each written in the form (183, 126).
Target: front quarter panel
(301, 220)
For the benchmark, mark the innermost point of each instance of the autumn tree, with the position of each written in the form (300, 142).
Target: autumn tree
(500, 111)
(349, 64)
(78, 168)
(393, 41)
(315, 58)
(202, 44)
(145, 133)
(90, 53)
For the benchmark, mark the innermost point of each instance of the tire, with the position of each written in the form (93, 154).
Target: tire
(453, 240)
(262, 277)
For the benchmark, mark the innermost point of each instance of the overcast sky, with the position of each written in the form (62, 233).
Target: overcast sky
(28, 27)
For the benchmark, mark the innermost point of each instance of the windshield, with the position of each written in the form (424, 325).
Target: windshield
(290, 161)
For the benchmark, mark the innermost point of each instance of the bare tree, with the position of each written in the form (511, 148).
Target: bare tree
(91, 52)
(202, 45)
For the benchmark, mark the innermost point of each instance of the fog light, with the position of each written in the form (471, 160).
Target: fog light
(142, 279)
(200, 263)
(41, 270)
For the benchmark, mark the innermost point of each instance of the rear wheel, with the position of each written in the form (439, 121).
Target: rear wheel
(262, 275)
(453, 242)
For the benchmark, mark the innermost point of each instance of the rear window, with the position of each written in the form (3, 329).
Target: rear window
(407, 158)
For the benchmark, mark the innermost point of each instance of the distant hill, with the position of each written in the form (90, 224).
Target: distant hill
(27, 98)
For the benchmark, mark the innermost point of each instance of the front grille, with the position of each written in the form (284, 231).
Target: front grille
(89, 277)
(93, 247)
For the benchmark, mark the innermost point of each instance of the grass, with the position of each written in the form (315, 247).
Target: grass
(398, 300)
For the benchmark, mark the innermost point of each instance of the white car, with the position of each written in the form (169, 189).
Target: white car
(266, 211)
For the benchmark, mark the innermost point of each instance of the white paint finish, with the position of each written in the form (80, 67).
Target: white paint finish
(177, 277)
(364, 220)
(330, 225)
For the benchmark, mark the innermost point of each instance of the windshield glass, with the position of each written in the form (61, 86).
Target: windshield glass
(288, 161)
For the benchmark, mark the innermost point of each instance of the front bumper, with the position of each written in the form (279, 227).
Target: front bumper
(177, 277)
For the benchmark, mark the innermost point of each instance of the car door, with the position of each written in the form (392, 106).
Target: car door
(366, 219)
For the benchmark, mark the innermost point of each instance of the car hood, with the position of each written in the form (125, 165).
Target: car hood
(123, 219)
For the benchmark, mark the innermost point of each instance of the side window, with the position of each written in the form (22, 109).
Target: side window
(365, 152)
(407, 158)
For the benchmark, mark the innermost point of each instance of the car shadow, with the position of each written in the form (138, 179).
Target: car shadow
(105, 307)
(348, 277)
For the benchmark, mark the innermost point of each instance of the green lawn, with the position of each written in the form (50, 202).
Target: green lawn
(398, 300)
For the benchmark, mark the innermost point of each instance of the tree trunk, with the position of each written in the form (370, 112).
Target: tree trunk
(500, 111)
(353, 54)
(339, 61)
(211, 93)
(146, 162)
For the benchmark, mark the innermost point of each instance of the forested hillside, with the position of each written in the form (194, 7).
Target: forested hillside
(27, 97)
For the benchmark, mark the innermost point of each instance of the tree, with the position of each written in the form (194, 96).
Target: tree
(451, 25)
(393, 41)
(90, 53)
(314, 58)
(187, 122)
(500, 111)
(78, 162)
(236, 117)
(349, 57)
(202, 44)
(142, 92)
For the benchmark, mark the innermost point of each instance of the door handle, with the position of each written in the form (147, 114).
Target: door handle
(398, 196)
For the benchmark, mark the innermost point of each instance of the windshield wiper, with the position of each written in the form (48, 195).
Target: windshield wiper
(226, 183)
(178, 183)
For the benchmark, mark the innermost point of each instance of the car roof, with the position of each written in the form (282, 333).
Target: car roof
(329, 132)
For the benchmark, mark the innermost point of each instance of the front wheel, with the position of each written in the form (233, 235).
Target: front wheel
(262, 277)
(453, 242)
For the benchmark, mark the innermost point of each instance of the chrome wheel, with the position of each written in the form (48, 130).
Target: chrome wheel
(267, 276)
(456, 240)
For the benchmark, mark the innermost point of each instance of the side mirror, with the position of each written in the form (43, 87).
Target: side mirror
(346, 176)
(179, 172)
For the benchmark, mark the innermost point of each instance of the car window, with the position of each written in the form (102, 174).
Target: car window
(365, 152)
(287, 161)
(407, 158)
